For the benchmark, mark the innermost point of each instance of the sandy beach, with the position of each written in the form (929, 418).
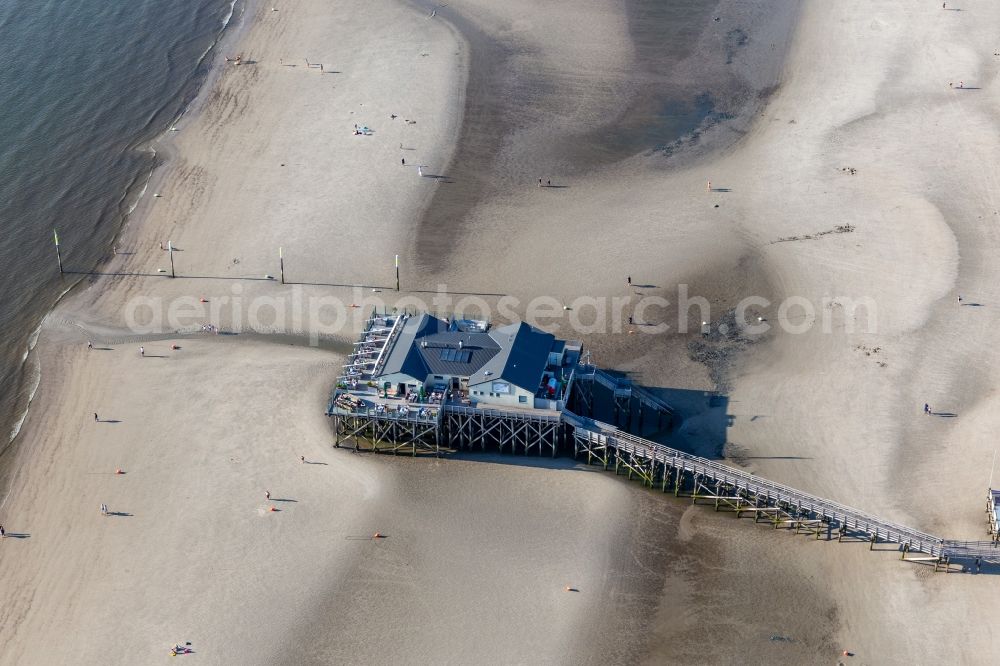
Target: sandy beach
(850, 150)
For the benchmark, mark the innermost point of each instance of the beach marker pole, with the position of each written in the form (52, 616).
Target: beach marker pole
(281, 263)
(170, 249)
(55, 234)
(397, 272)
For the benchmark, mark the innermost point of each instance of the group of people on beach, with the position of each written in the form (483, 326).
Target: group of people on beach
(181, 649)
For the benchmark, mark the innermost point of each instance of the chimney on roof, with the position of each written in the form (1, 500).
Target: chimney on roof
(459, 344)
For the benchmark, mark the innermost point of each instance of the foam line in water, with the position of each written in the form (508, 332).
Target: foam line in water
(145, 186)
(36, 378)
(232, 8)
(201, 59)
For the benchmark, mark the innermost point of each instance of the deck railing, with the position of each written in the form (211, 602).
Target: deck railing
(772, 493)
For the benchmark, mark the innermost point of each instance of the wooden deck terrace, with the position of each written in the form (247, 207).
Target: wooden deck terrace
(349, 402)
(375, 423)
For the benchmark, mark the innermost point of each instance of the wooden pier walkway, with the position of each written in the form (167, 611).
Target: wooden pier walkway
(743, 493)
(625, 394)
(369, 420)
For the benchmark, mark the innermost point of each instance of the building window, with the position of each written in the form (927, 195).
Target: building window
(522, 398)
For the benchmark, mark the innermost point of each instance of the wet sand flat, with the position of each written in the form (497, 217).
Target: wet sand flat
(856, 129)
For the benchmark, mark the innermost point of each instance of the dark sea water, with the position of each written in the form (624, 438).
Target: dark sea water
(84, 87)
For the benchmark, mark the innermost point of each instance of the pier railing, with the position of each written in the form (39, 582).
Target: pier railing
(496, 412)
(760, 492)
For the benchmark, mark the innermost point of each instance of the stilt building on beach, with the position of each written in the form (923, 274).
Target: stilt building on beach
(417, 383)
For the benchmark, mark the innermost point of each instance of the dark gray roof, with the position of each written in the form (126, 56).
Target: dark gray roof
(524, 353)
(456, 353)
(517, 353)
(404, 356)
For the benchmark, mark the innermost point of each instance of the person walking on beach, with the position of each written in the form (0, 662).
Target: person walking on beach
(3, 532)
(104, 509)
(709, 187)
(95, 418)
(267, 494)
(960, 299)
(302, 459)
(927, 408)
(90, 345)
(403, 161)
(539, 182)
(628, 280)
(142, 351)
